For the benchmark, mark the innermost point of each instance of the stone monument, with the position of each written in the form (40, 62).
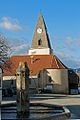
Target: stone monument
(0, 84)
(22, 85)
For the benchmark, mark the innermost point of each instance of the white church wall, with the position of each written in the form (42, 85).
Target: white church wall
(9, 78)
(40, 51)
(59, 79)
(56, 77)
(43, 79)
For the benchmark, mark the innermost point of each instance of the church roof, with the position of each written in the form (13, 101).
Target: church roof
(35, 63)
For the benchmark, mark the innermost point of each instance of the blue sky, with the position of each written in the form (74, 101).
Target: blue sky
(62, 17)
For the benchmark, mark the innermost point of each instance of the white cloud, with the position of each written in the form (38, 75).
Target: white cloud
(20, 49)
(78, 42)
(69, 60)
(69, 41)
(72, 42)
(9, 24)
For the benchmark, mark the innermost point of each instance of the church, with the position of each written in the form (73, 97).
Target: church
(47, 72)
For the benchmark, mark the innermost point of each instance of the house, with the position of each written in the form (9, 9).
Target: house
(73, 78)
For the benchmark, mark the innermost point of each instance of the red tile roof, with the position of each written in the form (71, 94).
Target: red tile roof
(35, 63)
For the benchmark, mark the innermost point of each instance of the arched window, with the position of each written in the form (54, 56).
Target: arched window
(39, 42)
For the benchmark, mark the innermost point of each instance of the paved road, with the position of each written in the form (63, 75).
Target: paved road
(72, 102)
(0, 113)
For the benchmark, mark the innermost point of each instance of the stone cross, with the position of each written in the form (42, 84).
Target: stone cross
(0, 84)
(22, 85)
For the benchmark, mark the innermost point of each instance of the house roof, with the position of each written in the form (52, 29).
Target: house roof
(35, 64)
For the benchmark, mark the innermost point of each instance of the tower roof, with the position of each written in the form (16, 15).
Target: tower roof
(40, 38)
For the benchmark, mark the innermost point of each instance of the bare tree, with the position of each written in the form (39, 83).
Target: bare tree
(4, 49)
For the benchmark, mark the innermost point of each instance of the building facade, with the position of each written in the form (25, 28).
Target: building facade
(45, 68)
(54, 80)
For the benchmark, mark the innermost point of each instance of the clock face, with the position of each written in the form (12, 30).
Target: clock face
(39, 30)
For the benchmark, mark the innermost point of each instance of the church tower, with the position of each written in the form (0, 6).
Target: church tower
(40, 42)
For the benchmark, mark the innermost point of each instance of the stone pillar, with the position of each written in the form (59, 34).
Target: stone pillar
(0, 84)
(22, 85)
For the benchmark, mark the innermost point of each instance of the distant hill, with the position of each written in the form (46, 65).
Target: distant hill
(76, 70)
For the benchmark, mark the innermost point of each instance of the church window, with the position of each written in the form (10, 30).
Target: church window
(39, 42)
